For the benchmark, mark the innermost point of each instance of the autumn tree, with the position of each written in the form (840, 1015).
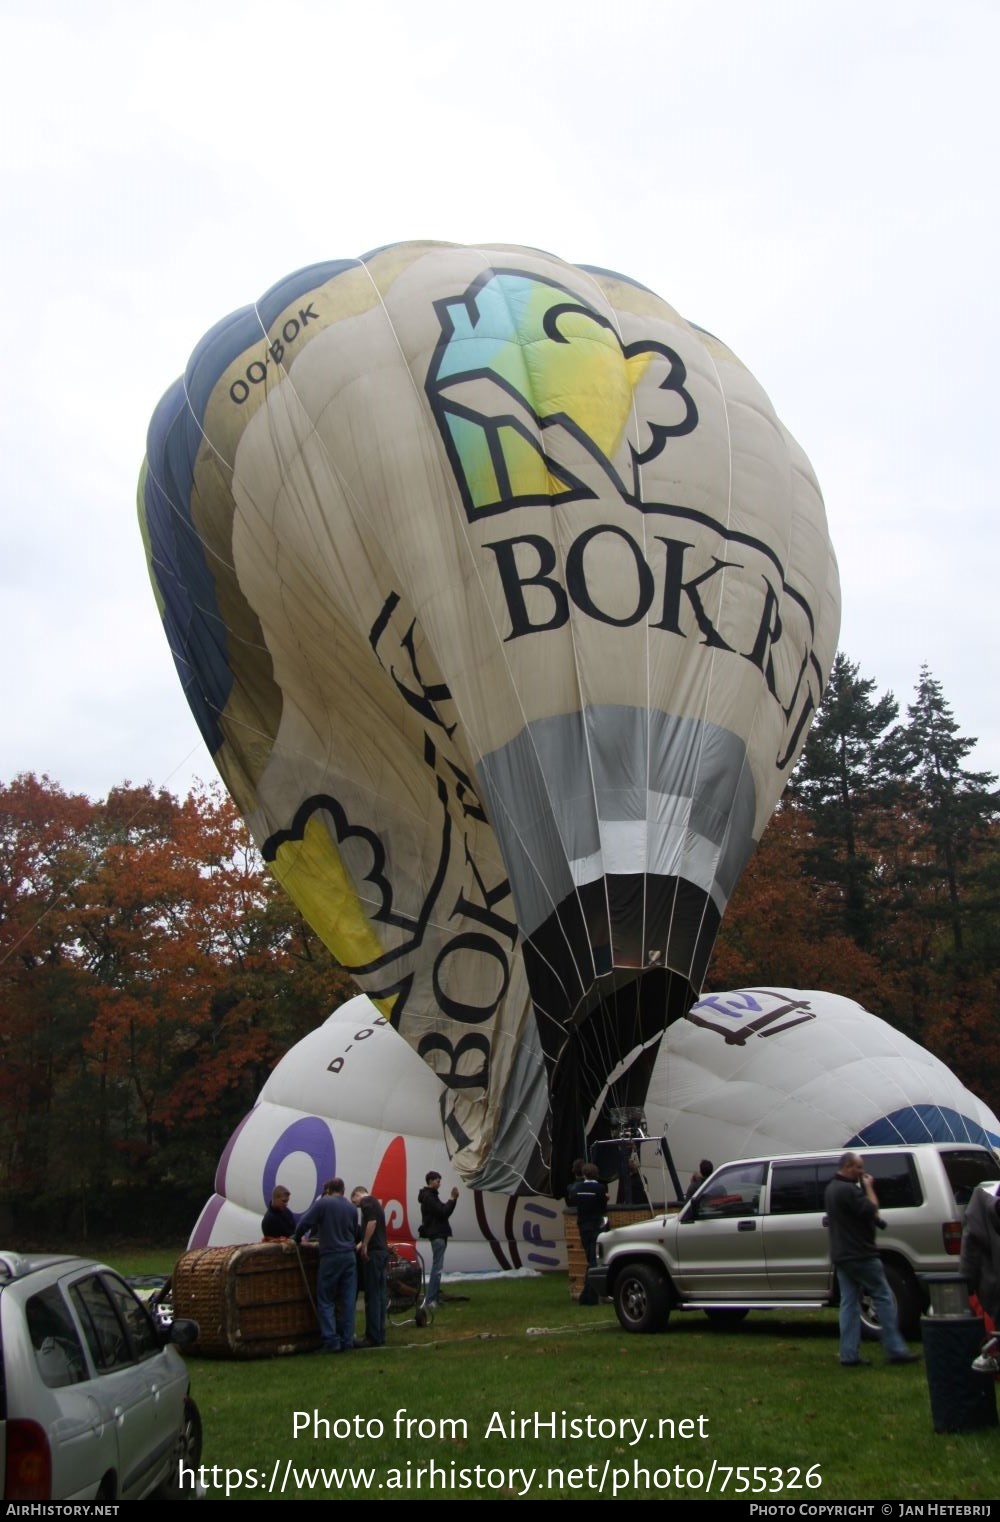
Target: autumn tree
(152, 974)
(779, 931)
(43, 997)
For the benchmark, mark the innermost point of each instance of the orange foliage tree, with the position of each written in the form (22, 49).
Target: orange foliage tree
(152, 976)
(779, 931)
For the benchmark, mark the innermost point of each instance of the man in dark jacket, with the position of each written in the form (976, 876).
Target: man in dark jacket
(334, 1223)
(435, 1227)
(591, 1200)
(980, 1263)
(278, 1223)
(853, 1215)
(374, 1263)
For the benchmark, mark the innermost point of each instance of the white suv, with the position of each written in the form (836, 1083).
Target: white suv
(754, 1236)
(94, 1403)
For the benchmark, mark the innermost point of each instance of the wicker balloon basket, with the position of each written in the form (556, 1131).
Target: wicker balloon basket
(253, 1301)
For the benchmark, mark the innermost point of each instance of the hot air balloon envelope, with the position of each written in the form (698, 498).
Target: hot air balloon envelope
(503, 601)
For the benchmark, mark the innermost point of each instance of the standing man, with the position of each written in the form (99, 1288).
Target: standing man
(852, 1208)
(435, 1227)
(980, 1264)
(334, 1224)
(591, 1200)
(374, 1254)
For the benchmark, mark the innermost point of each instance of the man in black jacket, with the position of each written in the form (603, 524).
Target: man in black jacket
(853, 1215)
(374, 1264)
(435, 1227)
(591, 1200)
(980, 1263)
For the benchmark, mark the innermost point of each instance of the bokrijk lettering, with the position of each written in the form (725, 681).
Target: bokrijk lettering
(666, 586)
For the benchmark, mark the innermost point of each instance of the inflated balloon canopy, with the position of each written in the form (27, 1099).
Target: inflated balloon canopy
(751, 1072)
(503, 601)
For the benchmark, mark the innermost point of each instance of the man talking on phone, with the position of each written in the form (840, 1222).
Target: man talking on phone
(853, 1216)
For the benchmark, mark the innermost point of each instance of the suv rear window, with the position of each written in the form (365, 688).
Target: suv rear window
(967, 1169)
(896, 1182)
(798, 1188)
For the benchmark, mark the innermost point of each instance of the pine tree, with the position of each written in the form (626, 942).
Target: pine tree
(846, 779)
(954, 814)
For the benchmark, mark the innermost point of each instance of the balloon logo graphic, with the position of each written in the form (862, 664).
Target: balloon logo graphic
(390, 1188)
(503, 601)
(579, 376)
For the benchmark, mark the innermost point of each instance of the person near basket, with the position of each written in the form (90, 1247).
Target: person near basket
(591, 1201)
(278, 1223)
(334, 1223)
(374, 1265)
(435, 1227)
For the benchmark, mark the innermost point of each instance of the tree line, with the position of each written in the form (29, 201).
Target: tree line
(878, 876)
(152, 973)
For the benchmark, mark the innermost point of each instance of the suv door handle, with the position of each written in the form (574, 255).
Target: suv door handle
(747, 1226)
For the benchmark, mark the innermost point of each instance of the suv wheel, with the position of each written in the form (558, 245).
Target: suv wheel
(907, 1298)
(642, 1299)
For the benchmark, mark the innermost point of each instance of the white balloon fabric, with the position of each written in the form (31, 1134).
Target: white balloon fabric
(747, 1072)
(762, 1070)
(353, 1100)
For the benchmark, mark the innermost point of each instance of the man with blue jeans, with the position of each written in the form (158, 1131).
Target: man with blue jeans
(336, 1227)
(853, 1215)
(435, 1228)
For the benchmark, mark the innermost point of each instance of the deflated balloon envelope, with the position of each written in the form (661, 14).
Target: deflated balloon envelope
(503, 602)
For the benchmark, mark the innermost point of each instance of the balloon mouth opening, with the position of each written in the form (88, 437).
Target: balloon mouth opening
(587, 1081)
(609, 1108)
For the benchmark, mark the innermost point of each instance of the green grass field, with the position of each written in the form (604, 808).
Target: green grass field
(766, 1404)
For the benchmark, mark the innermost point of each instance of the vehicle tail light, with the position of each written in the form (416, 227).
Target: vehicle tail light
(952, 1233)
(28, 1474)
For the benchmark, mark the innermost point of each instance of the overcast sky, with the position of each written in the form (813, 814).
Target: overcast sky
(815, 183)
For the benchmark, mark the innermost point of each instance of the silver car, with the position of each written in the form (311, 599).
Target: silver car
(94, 1402)
(754, 1236)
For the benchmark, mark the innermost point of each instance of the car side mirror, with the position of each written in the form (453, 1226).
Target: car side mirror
(182, 1331)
